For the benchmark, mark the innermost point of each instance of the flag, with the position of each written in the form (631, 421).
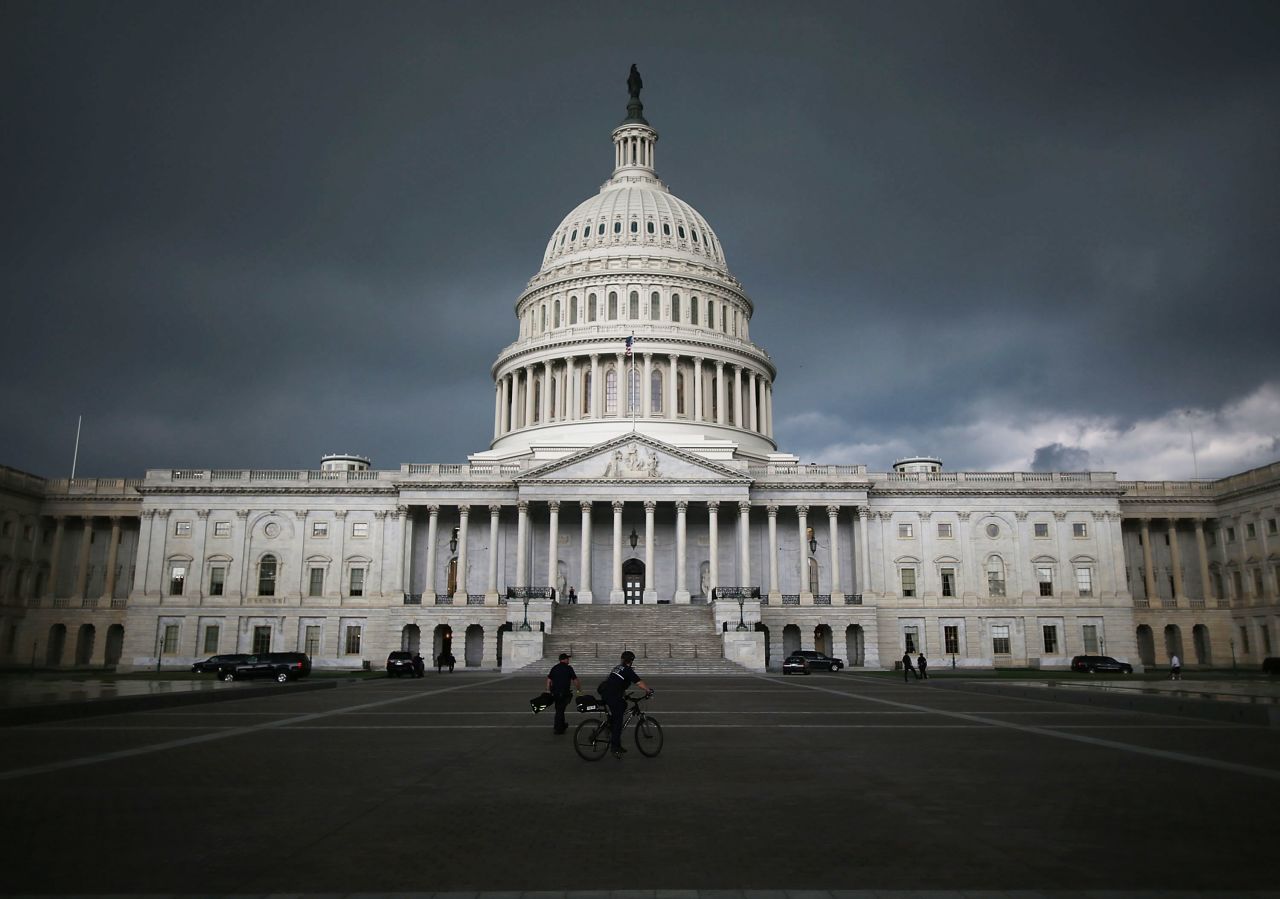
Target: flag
(630, 338)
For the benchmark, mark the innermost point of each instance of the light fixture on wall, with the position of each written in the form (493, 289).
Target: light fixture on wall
(453, 541)
(634, 538)
(813, 545)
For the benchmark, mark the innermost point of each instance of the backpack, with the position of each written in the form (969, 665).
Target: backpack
(605, 687)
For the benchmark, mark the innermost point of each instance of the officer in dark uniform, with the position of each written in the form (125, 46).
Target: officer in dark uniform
(613, 690)
(562, 683)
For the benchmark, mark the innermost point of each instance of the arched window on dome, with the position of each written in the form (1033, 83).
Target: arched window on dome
(675, 307)
(586, 393)
(655, 306)
(655, 392)
(679, 393)
(613, 305)
(617, 227)
(649, 227)
(711, 315)
(600, 229)
(666, 229)
(635, 227)
(544, 318)
(573, 310)
(611, 392)
(591, 307)
(695, 235)
(724, 319)
(693, 310)
(555, 315)
(573, 236)
(633, 306)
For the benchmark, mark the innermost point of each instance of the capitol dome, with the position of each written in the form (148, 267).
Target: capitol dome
(633, 321)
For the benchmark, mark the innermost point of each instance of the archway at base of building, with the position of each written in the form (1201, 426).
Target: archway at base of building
(441, 642)
(474, 653)
(1173, 641)
(855, 646)
(57, 640)
(760, 626)
(502, 633)
(1200, 640)
(822, 641)
(84, 644)
(411, 638)
(1146, 646)
(115, 644)
(790, 639)
(633, 580)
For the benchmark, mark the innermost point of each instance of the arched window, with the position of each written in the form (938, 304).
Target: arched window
(555, 315)
(586, 393)
(573, 236)
(617, 227)
(613, 305)
(655, 306)
(711, 314)
(675, 307)
(635, 227)
(600, 229)
(573, 310)
(544, 318)
(679, 393)
(649, 227)
(693, 310)
(655, 392)
(633, 395)
(995, 576)
(611, 392)
(537, 400)
(695, 235)
(666, 229)
(724, 319)
(633, 306)
(551, 395)
(267, 576)
(680, 230)
(591, 307)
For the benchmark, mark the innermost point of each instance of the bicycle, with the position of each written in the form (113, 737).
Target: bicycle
(591, 738)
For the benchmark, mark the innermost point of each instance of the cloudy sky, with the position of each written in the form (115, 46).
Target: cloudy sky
(1017, 235)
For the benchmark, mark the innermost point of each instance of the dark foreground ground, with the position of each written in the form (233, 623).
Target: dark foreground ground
(831, 782)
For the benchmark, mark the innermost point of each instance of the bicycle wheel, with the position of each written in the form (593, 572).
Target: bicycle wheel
(648, 736)
(591, 739)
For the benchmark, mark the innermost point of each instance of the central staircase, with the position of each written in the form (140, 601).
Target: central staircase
(667, 640)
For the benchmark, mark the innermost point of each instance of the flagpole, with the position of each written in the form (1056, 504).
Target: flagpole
(76, 455)
(631, 380)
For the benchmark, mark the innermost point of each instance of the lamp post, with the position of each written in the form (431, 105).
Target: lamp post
(1232, 642)
(525, 625)
(159, 646)
(742, 624)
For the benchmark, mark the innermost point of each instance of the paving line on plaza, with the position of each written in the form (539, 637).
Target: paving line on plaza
(1166, 754)
(16, 773)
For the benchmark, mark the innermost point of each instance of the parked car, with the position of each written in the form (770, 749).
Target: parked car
(1271, 665)
(1092, 664)
(282, 666)
(795, 664)
(400, 662)
(213, 663)
(820, 661)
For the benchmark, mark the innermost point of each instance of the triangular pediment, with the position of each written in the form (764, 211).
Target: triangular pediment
(634, 458)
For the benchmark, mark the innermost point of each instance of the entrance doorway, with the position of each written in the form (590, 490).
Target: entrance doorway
(633, 581)
(411, 638)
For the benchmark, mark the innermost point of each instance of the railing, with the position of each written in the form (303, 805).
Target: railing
(1169, 603)
(119, 603)
(791, 599)
(735, 593)
(822, 599)
(1197, 603)
(656, 649)
(443, 599)
(33, 602)
(61, 603)
(531, 593)
(475, 599)
(89, 603)
(853, 599)
(1141, 603)
(93, 486)
(413, 599)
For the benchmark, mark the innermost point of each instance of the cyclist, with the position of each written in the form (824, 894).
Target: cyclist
(613, 691)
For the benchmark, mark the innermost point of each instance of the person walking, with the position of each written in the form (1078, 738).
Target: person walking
(562, 683)
(613, 690)
(922, 667)
(907, 669)
(1175, 668)
(419, 666)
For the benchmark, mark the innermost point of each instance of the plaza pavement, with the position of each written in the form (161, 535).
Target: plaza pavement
(831, 784)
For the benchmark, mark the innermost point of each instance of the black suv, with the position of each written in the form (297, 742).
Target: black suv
(1100, 663)
(213, 663)
(818, 661)
(400, 662)
(282, 666)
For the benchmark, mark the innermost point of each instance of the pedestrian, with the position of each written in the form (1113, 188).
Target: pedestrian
(1175, 668)
(907, 670)
(562, 683)
(613, 690)
(419, 666)
(449, 660)
(922, 667)
(573, 597)
(440, 662)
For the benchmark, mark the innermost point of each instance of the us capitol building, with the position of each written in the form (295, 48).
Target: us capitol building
(633, 495)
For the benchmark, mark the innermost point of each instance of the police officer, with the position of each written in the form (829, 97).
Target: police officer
(613, 690)
(562, 683)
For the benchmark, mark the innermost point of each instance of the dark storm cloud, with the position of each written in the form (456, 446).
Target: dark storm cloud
(1056, 457)
(247, 234)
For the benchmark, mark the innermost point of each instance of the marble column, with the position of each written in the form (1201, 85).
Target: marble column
(806, 597)
(433, 525)
(464, 513)
(713, 530)
(1202, 556)
(113, 551)
(522, 541)
(584, 562)
(670, 401)
(720, 397)
(596, 387)
(553, 543)
(573, 390)
(82, 563)
(744, 544)
(697, 388)
(775, 592)
(1148, 569)
(650, 590)
(753, 409)
(833, 528)
(737, 397)
(497, 410)
(544, 414)
(528, 396)
(682, 553)
(646, 387)
(615, 592)
(1175, 562)
(495, 510)
(505, 423)
(862, 576)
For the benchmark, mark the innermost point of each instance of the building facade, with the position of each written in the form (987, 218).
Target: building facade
(633, 461)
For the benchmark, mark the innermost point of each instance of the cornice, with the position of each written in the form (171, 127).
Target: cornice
(598, 344)
(385, 490)
(604, 278)
(997, 491)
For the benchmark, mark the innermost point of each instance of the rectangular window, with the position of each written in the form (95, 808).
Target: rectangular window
(211, 639)
(948, 582)
(1265, 630)
(1084, 581)
(352, 643)
(944, 529)
(906, 531)
(1231, 535)
(910, 639)
(1271, 527)
(1000, 639)
(261, 639)
(1050, 640)
(1257, 582)
(1079, 529)
(1045, 577)
(908, 582)
(222, 529)
(1217, 585)
(182, 529)
(177, 579)
(316, 587)
(312, 641)
(1041, 529)
(1090, 633)
(1238, 582)
(1250, 532)
(951, 639)
(995, 583)
(170, 639)
(357, 582)
(360, 529)
(217, 580)
(1244, 639)
(319, 529)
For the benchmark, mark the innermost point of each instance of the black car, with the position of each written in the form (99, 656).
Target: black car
(282, 666)
(1271, 665)
(213, 663)
(795, 664)
(819, 661)
(400, 662)
(1092, 664)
